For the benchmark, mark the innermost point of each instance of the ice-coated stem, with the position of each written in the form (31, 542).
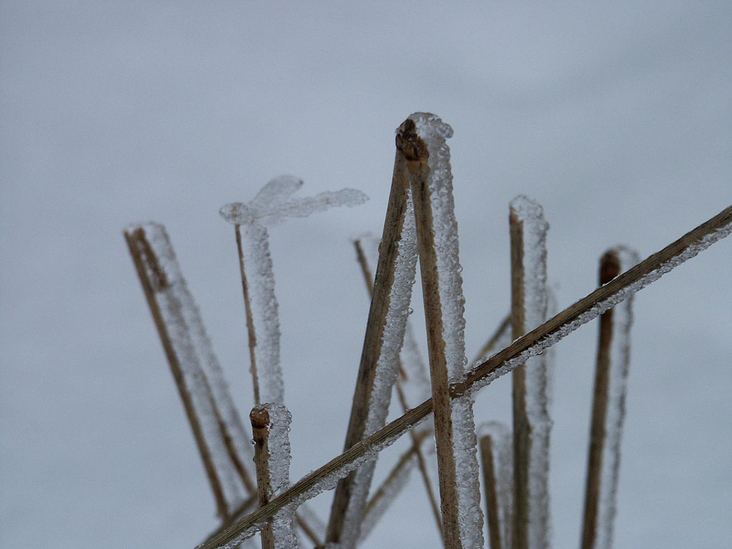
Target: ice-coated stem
(270, 207)
(251, 333)
(415, 379)
(608, 408)
(531, 422)
(377, 373)
(270, 426)
(390, 488)
(496, 452)
(216, 425)
(535, 342)
(491, 493)
(422, 139)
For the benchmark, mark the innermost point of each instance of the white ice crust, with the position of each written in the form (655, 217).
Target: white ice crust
(434, 132)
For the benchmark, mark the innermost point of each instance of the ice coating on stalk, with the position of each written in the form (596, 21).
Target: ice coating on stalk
(386, 369)
(385, 496)
(416, 386)
(278, 464)
(434, 132)
(271, 206)
(265, 312)
(192, 347)
(619, 360)
(502, 449)
(528, 224)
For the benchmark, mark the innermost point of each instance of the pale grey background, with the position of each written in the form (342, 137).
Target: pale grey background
(617, 119)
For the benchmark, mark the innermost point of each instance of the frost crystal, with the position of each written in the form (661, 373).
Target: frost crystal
(272, 206)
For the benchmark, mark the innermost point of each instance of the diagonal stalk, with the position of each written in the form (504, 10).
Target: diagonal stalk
(416, 443)
(501, 363)
(383, 341)
(252, 339)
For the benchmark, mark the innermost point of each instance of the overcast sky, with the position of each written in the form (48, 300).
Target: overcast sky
(617, 119)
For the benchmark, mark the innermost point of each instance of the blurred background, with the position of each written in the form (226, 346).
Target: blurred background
(617, 119)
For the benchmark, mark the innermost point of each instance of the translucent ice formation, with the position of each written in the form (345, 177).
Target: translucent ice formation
(271, 206)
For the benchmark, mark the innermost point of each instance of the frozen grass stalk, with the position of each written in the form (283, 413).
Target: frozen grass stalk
(608, 408)
(496, 452)
(422, 139)
(378, 368)
(270, 426)
(214, 420)
(412, 380)
(531, 422)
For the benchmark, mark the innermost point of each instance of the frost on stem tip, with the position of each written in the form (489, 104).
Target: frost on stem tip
(272, 205)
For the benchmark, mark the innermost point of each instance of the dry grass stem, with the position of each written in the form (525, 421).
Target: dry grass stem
(530, 415)
(271, 477)
(154, 281)
(249, 317)
(451, 504)
(491, 493)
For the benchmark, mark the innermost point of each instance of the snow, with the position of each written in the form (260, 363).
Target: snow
(434, 132)
(619, 361)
